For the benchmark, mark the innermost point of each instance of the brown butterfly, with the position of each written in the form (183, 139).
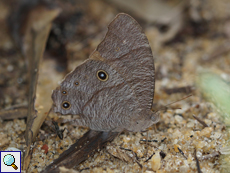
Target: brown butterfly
(113, 90)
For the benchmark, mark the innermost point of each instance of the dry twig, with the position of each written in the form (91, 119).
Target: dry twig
(200, 121)
(91, 142)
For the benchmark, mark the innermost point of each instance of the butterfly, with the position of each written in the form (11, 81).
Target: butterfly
(113, 89)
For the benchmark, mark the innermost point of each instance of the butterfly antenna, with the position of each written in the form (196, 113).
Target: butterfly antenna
(178, 101)
(166, 106)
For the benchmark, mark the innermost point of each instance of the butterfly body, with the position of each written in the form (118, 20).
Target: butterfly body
(113, 90)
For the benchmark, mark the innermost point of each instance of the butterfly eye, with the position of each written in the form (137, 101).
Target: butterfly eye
(66, 105)
(102, 75)
(76, 83)
(64, 92)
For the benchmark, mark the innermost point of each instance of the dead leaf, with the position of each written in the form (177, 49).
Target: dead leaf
(20, 112)
(38, 24)
(91, 142)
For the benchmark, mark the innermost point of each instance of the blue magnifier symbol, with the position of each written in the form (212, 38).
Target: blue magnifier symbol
(9, 160)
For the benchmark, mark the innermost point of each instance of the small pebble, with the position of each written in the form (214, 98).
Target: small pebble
(156, 161)
(206, 131)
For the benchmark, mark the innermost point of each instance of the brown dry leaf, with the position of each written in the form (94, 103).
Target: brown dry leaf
(81, 150)
(20, 112)
(48, 77)
(37, 30)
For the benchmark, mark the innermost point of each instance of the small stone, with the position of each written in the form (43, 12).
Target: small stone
(206, 132)
(126, 139)
(179, 119)
(216, 135)
(10, 68)
(176, 146)
(201, 144)
(156, 161)
(208, 122)
(177, 134)
(45, 148)
(190, 124)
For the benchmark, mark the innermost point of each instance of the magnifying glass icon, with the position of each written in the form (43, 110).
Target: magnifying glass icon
(9, 160)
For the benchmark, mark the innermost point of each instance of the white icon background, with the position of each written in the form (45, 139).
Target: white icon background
(5, 168)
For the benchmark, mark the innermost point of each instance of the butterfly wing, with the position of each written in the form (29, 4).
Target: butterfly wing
(102, 105)
(121, 101)
(126, 49)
